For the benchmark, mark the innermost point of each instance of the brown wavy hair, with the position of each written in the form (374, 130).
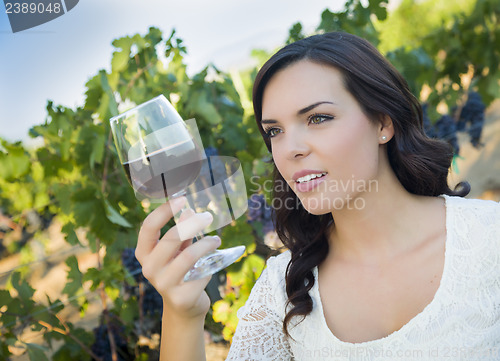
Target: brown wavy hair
(420, 163)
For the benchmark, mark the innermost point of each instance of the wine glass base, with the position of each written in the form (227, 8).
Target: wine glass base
(214, 262)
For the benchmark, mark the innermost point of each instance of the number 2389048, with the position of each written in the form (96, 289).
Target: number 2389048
(32, 8)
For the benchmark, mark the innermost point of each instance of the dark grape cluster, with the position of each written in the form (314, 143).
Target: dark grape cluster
(428, 127)
(472, 118)
(267, 226)
(255, 203)
(151, 299)
(102, 348)
(260, 211)
(446, 129)
(152, 303)
(132, 264)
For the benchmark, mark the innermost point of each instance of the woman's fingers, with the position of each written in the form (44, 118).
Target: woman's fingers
(189, 227)
(186, 296)
(165, 261)
(152, 225)
(188, 257)
(185, 214)
(170, 243)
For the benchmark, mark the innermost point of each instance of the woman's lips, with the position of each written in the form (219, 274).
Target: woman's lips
(306, 172)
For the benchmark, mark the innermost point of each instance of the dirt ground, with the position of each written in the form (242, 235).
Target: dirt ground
(480, 167)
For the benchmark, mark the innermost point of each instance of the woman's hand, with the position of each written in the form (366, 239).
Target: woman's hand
(165, 261)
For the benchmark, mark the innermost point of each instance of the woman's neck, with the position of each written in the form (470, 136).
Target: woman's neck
(391, 222)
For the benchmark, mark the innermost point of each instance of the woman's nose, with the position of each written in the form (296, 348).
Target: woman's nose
(297, 144)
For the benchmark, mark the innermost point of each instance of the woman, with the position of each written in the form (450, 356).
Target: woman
(384, 260)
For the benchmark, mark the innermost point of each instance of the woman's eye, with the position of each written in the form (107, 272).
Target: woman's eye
(319, 118)
(272, 132)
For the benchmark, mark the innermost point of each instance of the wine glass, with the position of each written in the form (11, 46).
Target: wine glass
(163, 159)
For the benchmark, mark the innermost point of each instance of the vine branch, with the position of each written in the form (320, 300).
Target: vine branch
(67, 332)
(135, 78)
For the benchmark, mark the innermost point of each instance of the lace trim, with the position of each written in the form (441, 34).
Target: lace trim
(259, 334)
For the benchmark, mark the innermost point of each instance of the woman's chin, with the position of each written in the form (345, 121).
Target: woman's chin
(315, 208)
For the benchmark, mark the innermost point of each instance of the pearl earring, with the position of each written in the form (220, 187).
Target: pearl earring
(384, 138)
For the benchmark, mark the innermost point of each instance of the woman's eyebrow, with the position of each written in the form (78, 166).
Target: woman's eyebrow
(300, 112)
(312, 106)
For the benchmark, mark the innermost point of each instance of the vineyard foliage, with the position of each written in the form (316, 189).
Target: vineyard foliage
(76, 181)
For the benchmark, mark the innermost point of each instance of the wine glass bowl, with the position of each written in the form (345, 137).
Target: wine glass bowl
(156, 147)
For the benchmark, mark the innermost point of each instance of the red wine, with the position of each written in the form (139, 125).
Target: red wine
(165, 172)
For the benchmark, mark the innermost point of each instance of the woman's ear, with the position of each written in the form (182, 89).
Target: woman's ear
(386, 129)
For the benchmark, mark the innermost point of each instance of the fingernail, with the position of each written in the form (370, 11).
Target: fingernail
(187, 212)
(178, 202)
(217, 240)
(206, 214)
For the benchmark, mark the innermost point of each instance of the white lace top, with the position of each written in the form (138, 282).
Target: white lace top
(462, 322)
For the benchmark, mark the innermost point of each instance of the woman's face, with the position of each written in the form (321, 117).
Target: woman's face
(323, 145)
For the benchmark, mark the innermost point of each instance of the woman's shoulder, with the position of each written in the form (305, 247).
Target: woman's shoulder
(485, 213)
(279, 261)
(275, 270)
(474, 227)
(472, 202)
(473, 252)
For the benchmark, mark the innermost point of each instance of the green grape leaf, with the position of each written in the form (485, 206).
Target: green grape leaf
(93, 94)
(93, 275)
(221, 311)
(41, 199)
(84, 210)
(4, 346)
(246, 272)
(98, 149)
(63, 354)
(22, 287)
(36, 352)
(238, 234)
(114, 216)
(113, 106)
(121, 57)
(102, 227)
(41, 313)
(129, 311)
(154, 35)
(5, 298)
(120, 60)
(206, 108)
(71, 350)
(15, 311)
(74, 277)
(62, 194)
(378, 7)
(15, 163)
(69, 230)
